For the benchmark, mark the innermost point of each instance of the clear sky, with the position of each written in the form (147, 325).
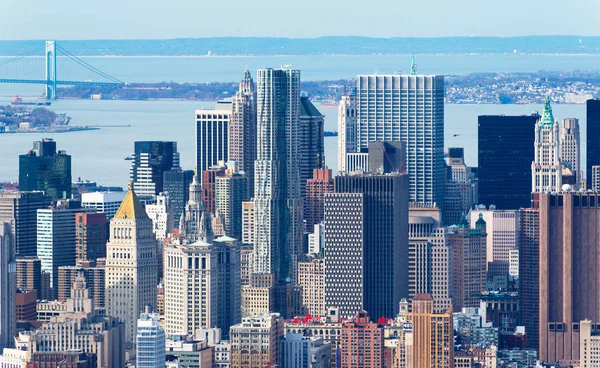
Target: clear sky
(112, 19)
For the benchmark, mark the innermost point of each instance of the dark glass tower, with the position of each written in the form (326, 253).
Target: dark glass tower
(385, 238)
(506, 151)
(593, 138)
(43, 168)
(177, 182)
(149, 162)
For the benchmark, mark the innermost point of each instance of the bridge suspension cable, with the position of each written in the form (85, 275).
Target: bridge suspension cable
(87, 66)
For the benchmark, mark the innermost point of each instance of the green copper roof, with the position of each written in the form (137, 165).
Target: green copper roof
(547, 120)
(413, 66)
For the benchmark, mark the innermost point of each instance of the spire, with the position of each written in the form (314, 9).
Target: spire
(547, 120)
(206, 230)
(195, 189)
(413, 66)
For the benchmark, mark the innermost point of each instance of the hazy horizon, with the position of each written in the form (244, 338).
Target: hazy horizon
(157, 19)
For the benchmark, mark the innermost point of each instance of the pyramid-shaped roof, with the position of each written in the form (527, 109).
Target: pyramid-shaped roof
(131, 207)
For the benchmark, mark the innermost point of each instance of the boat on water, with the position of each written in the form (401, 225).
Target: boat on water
(19, 101)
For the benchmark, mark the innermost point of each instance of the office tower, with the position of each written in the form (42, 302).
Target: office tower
(357, 163)
(95, 279)
(202, 286)
(44, 168)
(278, 205)
(161, 214)
(595, 182)
(311, 148)
(569, 147)
(503, 231)
(90, 237)
(467, 271)
(433, 334)
(569, 293)
(208, 181)
(195, 223)
(25, 301)
(177, 182)
(361, 343)
(505, 153)
(212, 136)
(408, 109)
(316, 240)
(56, 238)
(589, 340)
(429, 256)
(231, 189)
(8, 287)
(258, 296)
(29, 274)
(458, 197)
(347, 129)
(344, 252)
(248, 225)
(311, 276)
(546, 169)
(242, 129)
(150, 342)
(255, 341)
(105, 202)
(20, 209)
(321, 183)
(592, 115)
(386, 157)
(132, 262)
(149, 162)
(80, 326)
(385, 239)
(245, 264)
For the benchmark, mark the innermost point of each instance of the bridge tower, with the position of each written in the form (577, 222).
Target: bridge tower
(50, 70)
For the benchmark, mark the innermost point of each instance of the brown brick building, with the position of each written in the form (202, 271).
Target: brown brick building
(361, 344)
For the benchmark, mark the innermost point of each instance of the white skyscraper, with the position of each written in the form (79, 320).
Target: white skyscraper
(546, 169)
(347, 139)
(105, 202)
(132, 263)
(569, 147)
(407, 108)
(195, 223)
(8, 286)
(150, 341)
(161, 214)
(278, 205)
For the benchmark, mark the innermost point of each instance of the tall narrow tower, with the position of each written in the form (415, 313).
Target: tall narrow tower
(278, 211)
(546, 173)
(569, 147)
(347, 139)
(132, 261)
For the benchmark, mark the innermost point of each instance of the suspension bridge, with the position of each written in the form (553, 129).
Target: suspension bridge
(41, 66)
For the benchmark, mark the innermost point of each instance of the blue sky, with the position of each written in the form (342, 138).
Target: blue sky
(109, 19)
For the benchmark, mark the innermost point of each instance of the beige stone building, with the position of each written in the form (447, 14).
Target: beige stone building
(311, 277)
(255, 341)
(433, 335)
(132, 263)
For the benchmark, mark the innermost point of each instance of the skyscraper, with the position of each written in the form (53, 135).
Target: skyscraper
(568, 261)
(131, 264)
(384, 240)
(410, 109)
(90, 237)
(546, 169)
(277, 200)
(321, 183)
(311, 276)
(161, 214)
(44, 168)
(506, 151)
(212, 137)
(231, 189)
(529, 272)
(458, 197)
(361, 343)
(242, 129)
(593, 137)
(311, 148)
(569, 147)
(347, 129)
(56, 238)
(150, 160)
(195, 222)
(150, 342)
(8, 287)
(433, 334)
(177, 182)
(105, 202)
(20, 209)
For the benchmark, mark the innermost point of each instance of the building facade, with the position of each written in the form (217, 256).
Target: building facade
(149, 161)
(177, 182)
(311, 277)
(212, 137)
(347, 129)
(458, 197)
(321, 183)
(413, 107)
(150, 342)
(592, 114)
(361, 343)
(255, 341)
(132, 265)
(8, 287)
(231, 189)
(506, 151)
(546, 169)
(45, 168)
(569, 147)
(311, 148)
(90, 237)
(104, 202)
(162, 216)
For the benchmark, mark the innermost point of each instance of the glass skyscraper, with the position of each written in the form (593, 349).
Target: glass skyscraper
(593, 138)
(150, 342)
(150, 160)
(44, 168)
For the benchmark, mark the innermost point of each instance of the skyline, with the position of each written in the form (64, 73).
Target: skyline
(180, 19)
